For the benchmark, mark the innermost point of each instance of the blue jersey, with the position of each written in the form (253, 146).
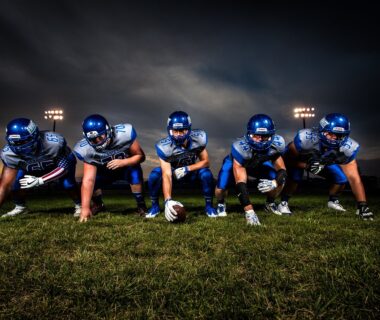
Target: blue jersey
(123, 136)
(180, 156)
(243, 152)
(309, 146)
(52, 152)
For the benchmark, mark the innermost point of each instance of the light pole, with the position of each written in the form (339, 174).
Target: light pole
(304, 113)
(54, 114)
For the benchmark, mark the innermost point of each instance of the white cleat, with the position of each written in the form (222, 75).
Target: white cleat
(335, 205)
(272, 208)
(221, 210)
(251, 218)
(77, 210)
(283, 207)
(16, 211)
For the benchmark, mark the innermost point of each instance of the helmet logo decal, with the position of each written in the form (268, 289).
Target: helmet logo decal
(92, 134)
(14, 136)
(262, 130)
(177, 125)
(31, 127)
(338, 129)
(323, 122)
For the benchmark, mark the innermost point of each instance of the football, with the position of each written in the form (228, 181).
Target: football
(181, 213)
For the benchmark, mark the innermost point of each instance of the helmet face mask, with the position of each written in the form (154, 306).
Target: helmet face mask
(23, 136)
(334, 130)
(97, 132)
(179, 127)
(260, 132)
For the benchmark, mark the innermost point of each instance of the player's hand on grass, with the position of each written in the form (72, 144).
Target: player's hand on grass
(85, 214)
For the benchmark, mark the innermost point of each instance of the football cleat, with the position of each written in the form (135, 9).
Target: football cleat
(16, 211)
(251, 218)
(141, 210)
(77, 210)
(97, 208)
(211, 212)
(153, 212)
(335, 205)
(221, 210)
(283, 207)
(365, 213)
(272, 208)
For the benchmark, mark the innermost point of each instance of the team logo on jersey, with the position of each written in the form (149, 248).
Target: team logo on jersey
(31, 127)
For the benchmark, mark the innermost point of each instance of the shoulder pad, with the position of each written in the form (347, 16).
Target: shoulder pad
(125, 132)
(241, 150)
(350, 149)
(305, 140)
(278, 143)
(199, 137)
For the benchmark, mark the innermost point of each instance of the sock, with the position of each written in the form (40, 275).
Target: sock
(139, 199)
(98, 200)
(221, 201)
(285, 198)
(208, 201)
(270, 199)
(333, 198)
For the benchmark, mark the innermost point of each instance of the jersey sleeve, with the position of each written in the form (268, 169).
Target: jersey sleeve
(240, 151)
(9, 158)
(305, 140)
(279, 144)
(350, 150)
(82, 151)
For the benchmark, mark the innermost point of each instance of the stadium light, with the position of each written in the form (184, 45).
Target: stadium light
(55, 115)
(303, 113)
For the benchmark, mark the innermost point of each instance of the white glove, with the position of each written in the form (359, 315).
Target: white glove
(316, 167)
(30, 182)
(170, 213)
(266, 185)
(181, 172)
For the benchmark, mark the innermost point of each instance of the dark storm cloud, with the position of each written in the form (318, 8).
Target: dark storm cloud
(221, 64)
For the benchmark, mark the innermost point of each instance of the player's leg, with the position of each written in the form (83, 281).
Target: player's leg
(294, 178)
(225, 177)
(154, 185)
(18, 196)
(135, 178)
(338, 179)
(205, 175)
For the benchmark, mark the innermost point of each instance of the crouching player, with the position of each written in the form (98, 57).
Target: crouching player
(257, 154)
(33, 158)
(109, 154)
(328, 152)
(182, 154)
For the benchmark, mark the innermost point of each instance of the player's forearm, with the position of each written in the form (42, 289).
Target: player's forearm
(199, 165)
(55, 174)
(240, 174)
(167, 186)
(4, 191)
(86, 192)
(134, 160)
(357, 188)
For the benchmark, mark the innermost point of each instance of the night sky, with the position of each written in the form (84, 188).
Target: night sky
(137, 63)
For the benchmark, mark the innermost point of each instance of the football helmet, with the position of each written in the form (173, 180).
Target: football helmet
(23, 136)
(95, 126)
(261, 125)
(179, 120)
(335, 123)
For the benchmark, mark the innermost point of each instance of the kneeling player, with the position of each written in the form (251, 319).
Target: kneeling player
(328, 152)
(257, 154)
(109, 154)
(33, 158)
(183, 153)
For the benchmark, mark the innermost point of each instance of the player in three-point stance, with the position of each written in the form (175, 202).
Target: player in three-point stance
(328, 152)
(183, 155)
(109, 154)
(32, 158)
(256, 154)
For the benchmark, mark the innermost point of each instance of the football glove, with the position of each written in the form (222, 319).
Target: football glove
(316, 167)
(170, 213)
(266, 185)
(30, 182)
(364, 212)
(181, 172)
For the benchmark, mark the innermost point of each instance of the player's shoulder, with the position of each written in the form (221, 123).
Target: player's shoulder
(199, 137)
(241, 146)
(278, 143)
(82, 149)
(124, 132)
(350, 147)
(306, 139)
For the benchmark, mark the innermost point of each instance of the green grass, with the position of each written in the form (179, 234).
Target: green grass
(317, 264)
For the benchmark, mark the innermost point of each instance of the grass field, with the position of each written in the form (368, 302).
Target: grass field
(316, 264)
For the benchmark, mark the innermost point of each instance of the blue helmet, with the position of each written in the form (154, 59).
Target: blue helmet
(23, 136)
(262, 125)
(95, 126)
(335, 123)
(179, 120)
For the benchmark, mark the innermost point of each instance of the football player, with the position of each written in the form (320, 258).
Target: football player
(256, 154)
(109, 154)
(328, 152)
(183, 155)
(32, 158)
